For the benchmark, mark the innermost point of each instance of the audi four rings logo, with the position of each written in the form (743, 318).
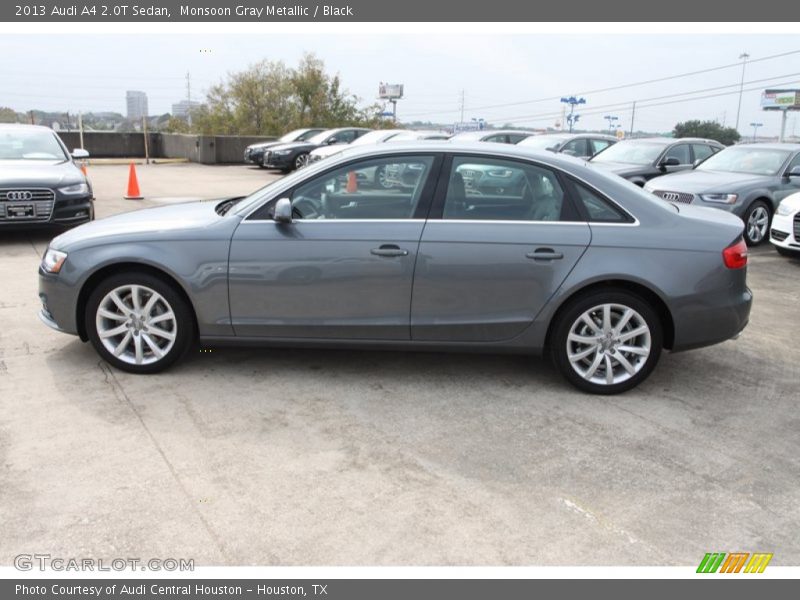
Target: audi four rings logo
(19, 195)
(670, 195)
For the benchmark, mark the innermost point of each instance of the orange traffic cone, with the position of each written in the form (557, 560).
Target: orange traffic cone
(133, 185)
(352, 183)
(84, 170)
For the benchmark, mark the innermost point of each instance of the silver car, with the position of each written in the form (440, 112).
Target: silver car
(564, 260)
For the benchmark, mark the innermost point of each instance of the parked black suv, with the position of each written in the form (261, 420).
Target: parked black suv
(40, 184)
(294, 155)
(642, 159)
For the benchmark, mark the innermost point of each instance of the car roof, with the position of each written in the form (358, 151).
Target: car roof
(665, 141)
(568, 136)
(770, 146)
(25, 126)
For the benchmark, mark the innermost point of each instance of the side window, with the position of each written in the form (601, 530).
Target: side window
(515, 138)
(795, 163)
(386, 188)
(502, 190)
(345, 137)
(500, 139)
(599, 145)
(702, 151)
(577, 147)
(598, 208)
(681, 152)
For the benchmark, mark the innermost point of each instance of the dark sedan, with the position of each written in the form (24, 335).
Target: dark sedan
(294, 155)
(640, 160)
(40, 184)
(748, 180)
(579, 145)
(254, 153)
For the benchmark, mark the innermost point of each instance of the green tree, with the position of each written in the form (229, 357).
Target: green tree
(8, 115)
(707, 129)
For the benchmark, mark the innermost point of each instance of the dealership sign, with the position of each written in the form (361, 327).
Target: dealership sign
(780, 100)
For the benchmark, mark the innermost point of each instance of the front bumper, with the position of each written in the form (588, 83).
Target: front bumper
(278, 161)
(785, 231)
(59, 303)
(65, 212)
(254, 157)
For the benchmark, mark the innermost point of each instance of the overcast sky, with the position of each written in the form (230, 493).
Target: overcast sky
(92, 72)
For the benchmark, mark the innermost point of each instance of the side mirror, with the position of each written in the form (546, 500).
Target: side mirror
(794, 172)
(80, 153)
(567, 152)
(332, 141)
(283, 211)
(670, 161)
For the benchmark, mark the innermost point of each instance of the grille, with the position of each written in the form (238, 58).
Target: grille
(797, 227)
(779, 236)
(41, 199)
(681, 197)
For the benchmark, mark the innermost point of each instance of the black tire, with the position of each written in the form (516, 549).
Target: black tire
(182, 327)
(300, 161)
(755, 212)
(568, 319)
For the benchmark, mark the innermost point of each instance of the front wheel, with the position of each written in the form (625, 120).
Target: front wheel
(756, 223)
(301, 160)
(606, 342)
(139, 323)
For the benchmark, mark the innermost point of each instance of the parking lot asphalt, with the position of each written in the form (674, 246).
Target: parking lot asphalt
(292, 457)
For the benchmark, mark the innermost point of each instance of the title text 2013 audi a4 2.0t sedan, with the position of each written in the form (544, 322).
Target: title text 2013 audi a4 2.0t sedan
(566, 260)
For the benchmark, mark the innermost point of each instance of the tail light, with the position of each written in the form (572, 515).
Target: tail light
(735, 255)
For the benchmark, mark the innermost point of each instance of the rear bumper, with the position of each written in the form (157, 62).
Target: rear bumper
(703, 323)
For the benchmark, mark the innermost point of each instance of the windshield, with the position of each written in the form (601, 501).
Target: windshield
(634, 153)
(758, 161)
(27, 144)
(542, 142)
(374, 137)
(320, 138)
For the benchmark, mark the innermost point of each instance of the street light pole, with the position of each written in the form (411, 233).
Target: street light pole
(744, 56)
(572, 118)
(755, 127)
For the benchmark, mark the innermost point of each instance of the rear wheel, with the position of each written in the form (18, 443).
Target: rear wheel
(756, 223)
(139, 323)
(606, 342)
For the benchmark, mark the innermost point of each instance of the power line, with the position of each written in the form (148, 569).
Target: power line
(624, 86)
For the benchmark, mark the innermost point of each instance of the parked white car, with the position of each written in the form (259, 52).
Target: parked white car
(785, 231)
(373, 137)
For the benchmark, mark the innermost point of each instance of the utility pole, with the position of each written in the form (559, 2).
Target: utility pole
(189, 98)
(633, 116)
(462, 105)
(146, 145)
(80, 127)
(744, 56)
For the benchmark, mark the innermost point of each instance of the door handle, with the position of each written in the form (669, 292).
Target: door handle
(544, 254)
(389, 250)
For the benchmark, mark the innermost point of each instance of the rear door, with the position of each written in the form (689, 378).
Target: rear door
(502, 237)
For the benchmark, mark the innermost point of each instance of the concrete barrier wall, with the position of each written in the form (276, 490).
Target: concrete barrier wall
(205, 149)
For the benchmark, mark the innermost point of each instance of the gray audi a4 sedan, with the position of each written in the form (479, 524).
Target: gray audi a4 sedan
(562, 259)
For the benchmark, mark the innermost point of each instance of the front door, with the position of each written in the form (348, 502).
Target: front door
(344, 267)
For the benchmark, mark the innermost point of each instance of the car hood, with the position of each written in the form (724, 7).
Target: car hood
(698, 182)
(294, 146)
(621, 169)
(38, 173)
(172, 221)
(264, 145)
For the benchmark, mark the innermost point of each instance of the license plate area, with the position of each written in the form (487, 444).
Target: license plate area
(20, 211)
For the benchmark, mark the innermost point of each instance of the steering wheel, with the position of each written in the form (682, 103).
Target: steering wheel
(306, 208)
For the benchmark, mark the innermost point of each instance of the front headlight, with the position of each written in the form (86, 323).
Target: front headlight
(719, 198)
(282, 152)
(76, 188)
(784, 209)
(53, 260)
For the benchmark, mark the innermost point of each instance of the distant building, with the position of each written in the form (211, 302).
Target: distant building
(137, 104)
(182, 108)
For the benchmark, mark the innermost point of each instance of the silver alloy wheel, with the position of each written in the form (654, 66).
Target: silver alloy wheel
(136, 324)
(608, 344)
(757, 224)
(382, 181)
(301, 161)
